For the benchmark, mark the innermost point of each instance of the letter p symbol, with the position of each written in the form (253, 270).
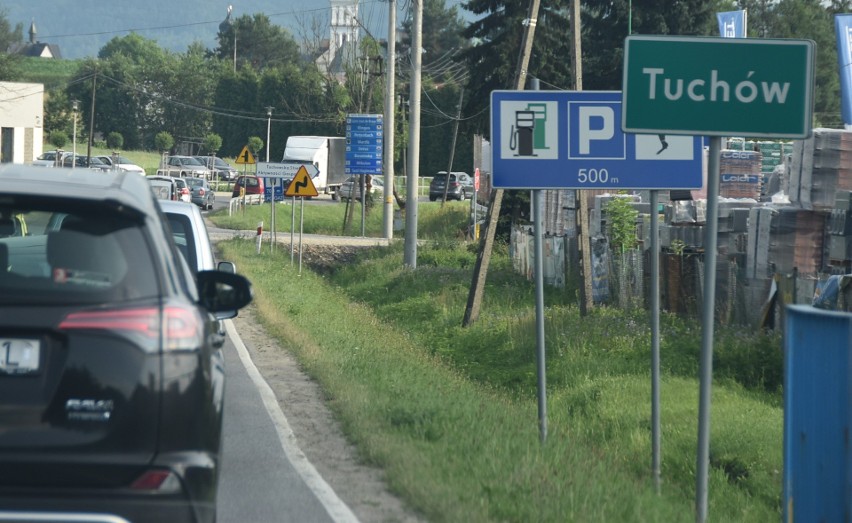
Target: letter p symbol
(596, 123)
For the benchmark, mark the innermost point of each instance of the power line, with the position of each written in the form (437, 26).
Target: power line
(293, 13)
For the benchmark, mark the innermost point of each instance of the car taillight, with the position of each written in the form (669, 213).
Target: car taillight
(182, 327)
(158, 480)
(200, 192)
(184, 191)
(454, 184)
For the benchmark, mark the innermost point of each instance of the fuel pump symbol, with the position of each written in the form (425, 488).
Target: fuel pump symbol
(521, 134)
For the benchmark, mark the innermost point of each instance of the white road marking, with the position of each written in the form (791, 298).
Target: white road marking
(336, 508)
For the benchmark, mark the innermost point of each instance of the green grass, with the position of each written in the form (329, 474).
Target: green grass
(451, 415)
(51, 73)
(447, 223)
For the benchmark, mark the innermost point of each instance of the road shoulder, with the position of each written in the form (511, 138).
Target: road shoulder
(319, 435)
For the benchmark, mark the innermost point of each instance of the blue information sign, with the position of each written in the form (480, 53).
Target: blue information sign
(364, 144)
(573, 140)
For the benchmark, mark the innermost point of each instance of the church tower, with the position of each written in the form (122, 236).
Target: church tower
(344, 26)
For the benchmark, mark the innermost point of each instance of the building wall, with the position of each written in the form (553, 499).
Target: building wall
(22, 112)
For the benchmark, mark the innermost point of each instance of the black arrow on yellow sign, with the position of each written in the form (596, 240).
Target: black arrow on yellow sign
(301, 185)
(245, 157)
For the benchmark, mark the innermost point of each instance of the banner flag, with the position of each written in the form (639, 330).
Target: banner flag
(843, 29)
(732, 24)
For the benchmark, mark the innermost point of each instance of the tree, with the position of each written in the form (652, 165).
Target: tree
(129, 84)
(9, 38)
(115, 141)
(212, 143)
(164, 141)
(58, 115)
(442, 40)
(492, 60)
(255, 144)
(237, 105)
(189, 88)
(444, 76)
(810, 19)
(605, 26)
(259, 43)
(58, 138)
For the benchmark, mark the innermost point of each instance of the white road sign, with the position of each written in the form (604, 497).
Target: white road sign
(285, 170)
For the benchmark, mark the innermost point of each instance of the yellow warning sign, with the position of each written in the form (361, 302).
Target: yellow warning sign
(245, 157)
(301, 185)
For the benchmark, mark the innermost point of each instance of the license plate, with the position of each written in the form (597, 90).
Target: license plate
(19, 355)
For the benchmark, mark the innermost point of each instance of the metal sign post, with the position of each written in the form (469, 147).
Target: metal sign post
(717, 87)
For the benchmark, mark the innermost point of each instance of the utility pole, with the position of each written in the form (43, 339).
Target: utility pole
(583, 240)
(486, 245)
(453, 146)
(389, 124)
(92, 118)
(412, 182)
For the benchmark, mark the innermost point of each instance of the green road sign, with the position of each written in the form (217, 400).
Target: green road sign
(718, 86)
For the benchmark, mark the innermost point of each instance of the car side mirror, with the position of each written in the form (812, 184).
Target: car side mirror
(223, 293)
(226, 266)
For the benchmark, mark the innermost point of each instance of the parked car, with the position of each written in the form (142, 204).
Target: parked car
(110, 377)
(221, 169)
(46, 159)
(252, 184)
(83, 162)
(179, 188)
(183, 166)
(122, 164)
(351, 187)
(460, 186)
(200, 192)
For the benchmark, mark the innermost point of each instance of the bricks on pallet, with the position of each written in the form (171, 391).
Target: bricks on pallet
(798, 240)
(843, 200)
(840, 222)
(840, 248)
(806, 176)
(665, 236)
(757, 248)
(793, 184)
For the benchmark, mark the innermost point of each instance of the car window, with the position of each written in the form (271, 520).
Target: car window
(184, 239)
(75, 256)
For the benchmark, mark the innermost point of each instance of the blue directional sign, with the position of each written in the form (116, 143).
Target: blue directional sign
(364, 144)
(573, 140)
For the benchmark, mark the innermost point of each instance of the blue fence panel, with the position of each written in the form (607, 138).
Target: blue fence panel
(817, 415)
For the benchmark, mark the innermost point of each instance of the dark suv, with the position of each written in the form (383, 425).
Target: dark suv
(460, 186)
(111, 375)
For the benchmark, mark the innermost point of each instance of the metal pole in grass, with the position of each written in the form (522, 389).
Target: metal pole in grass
(655, 341)
(707, 328)
(301, 226)
(538, 227)
(293, 231)
(538, 198)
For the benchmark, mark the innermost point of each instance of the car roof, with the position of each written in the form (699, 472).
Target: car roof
(82, 184)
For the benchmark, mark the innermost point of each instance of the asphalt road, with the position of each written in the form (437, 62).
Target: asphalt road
(265, 476)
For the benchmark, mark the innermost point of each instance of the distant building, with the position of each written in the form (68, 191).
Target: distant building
(342, 46)
(35, 48)
(21, 121)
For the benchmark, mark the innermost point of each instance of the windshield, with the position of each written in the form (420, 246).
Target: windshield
(190, 161)
(61, 254)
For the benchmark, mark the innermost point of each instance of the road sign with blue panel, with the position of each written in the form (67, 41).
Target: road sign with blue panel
(364, 144)
(574, 140)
